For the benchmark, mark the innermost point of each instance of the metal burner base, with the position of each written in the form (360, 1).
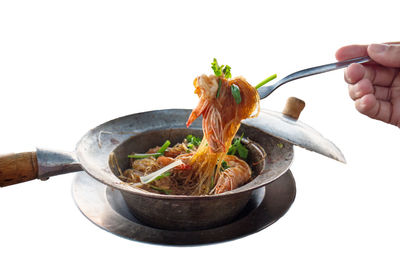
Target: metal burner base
(106, 208)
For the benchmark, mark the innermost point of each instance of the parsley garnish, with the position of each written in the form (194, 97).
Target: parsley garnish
(216, 68)
(238, 148)
(193, 141)
(236, 93)
(224, 165)
(227, 72)
(219, 70)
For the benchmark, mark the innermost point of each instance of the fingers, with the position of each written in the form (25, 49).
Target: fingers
(351, 51)
(374, 108)
(372, 85)
(385, 54)
(365, 87)
(371, 101)
(355, 72)
(360, 89)
(378, 75)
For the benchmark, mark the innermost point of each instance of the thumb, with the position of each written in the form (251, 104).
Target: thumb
(385, 54)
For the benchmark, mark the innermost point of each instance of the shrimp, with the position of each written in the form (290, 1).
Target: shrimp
(236, 175)
(221, 113)
(164, 161)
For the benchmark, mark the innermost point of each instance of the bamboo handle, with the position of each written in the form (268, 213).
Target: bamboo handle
(18, 168)
(294, 107)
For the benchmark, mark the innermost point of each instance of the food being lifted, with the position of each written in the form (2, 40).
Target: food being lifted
(211, 165)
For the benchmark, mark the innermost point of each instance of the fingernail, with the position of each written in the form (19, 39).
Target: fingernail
(378, 48)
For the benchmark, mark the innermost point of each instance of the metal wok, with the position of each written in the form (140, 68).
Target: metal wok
(104, 149)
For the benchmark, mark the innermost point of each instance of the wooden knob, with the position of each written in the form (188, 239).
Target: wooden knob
(293, 107)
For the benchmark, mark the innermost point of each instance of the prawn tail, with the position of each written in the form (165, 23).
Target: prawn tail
(199, 110)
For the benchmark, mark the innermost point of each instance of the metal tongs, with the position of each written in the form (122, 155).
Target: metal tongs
(265, 91)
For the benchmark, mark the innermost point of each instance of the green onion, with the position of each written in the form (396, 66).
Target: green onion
(270, 78)
(165, 174)
(219, 87)
(155, 175)
(236, 93)
(165, 191)
(143, 156)
(164, 147)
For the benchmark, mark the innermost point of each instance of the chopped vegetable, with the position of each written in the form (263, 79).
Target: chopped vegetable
(164, 147)
(147, 155)
(270, 78)
(143, 156)
(224, 165)
(193, 141)
(236, 93)
(243, 151)
(219, 70)
(165, 174)
(154, 175)
(216, 68)
(239, 148)
(227, 72)
(219, 87)
(165, 191)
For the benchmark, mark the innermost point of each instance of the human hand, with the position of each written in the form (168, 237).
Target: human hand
(375, 87)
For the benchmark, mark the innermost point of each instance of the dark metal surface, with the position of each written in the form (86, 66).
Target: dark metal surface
(296, 133)
(94, 156)
(265, 91)
(110, 143)
(137, 133)
(106, 208)
(52, 162)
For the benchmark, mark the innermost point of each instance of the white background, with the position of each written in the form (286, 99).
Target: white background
(67, 66)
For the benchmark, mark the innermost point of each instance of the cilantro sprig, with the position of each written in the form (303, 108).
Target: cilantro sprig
(237, 148)
(227, 72)
(224, 165)
(193, 141)
(219, 70)
(235, 90)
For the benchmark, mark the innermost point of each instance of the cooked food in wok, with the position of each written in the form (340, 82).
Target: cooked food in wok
(211, 165)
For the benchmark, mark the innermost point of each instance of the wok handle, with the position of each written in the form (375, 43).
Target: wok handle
(18, 168)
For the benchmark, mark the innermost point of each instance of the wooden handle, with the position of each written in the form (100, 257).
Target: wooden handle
(293, 107)
(18, 168)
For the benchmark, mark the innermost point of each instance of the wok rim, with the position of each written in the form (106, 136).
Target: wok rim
(122, 186)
